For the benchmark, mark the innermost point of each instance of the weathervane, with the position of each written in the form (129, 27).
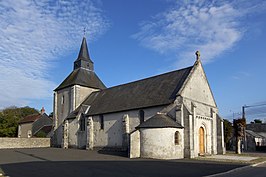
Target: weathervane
(84, 31)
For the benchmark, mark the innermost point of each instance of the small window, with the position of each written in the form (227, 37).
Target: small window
(101, 121)
(141, 116)
(29, 133)
(82, 123)
(63, 99)
(177, 138)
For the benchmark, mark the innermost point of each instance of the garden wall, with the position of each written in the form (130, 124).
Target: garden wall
(9, 143)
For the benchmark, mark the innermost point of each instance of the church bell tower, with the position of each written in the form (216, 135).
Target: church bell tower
(70, 94)
(83, 60)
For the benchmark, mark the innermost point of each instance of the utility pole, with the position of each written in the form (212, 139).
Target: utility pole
(244, 118)
(243, 112)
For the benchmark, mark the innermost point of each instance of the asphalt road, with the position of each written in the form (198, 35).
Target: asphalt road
(48, 162)
(257, 171)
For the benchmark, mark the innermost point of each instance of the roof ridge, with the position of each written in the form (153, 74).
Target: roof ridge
(34, 114)
(146, 78)
(152, 91)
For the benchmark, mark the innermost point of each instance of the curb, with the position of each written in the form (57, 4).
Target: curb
(2, 174)
(236, 169)
(256, 164)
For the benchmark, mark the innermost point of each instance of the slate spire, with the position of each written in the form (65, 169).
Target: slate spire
(83, 52)
(83, 60)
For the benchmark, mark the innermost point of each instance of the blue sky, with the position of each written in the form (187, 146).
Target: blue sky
(130, 40)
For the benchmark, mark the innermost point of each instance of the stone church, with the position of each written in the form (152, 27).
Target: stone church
(168, 116)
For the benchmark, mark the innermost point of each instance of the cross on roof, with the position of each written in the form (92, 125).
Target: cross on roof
(197, 55)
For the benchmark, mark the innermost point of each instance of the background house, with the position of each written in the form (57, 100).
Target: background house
(256, 136)
(35, 125)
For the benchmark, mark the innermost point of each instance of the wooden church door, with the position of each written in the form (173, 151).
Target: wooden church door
(201, 141)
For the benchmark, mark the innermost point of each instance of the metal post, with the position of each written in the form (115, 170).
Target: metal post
(245, 136)
(243, 112)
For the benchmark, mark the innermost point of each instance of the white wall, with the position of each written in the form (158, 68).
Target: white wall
(73, 97)
(159, 143)
(112, 134)
(63, 106)
(81, 93)
(24, 129)
(197, 87)
(203, 116)
(134, 151)
(73, 132)
(198, 99)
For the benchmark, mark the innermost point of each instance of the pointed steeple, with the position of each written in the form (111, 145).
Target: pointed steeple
(83, 52)
(83, 60)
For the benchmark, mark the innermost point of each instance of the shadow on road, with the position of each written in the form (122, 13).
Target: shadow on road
(31, 155)
(114, 153)
(114, 168)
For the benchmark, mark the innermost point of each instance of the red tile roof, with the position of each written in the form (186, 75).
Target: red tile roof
(30, 118)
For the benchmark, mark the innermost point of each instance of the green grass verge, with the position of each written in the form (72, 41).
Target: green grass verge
(2, 174)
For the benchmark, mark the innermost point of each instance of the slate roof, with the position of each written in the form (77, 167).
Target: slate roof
(160, 121)
(81, 109)
(74, 113)
(254, 134)
(154, 91)
(257, 127)
(84, 52)
(46, 129)
(82, 77)
(30, 118)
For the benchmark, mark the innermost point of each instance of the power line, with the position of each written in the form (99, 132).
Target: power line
(254, 105)
(250, 106)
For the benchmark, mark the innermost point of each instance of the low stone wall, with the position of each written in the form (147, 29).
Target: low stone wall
(9, 143)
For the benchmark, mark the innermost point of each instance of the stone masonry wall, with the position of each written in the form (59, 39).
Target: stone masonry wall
(9, 143)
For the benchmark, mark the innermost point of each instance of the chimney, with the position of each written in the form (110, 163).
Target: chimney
(42, 111)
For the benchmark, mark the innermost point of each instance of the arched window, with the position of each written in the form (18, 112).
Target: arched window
(63, 99)
(141, 116)
(101, 121)
(82, 123)
(177, 138)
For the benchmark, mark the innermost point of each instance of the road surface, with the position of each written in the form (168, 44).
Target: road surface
(47, 162)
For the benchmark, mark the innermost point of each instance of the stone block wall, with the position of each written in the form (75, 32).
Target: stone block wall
(9, 143)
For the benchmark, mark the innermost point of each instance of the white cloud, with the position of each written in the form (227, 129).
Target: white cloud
(32, 34)
(241, 75)
(209, 26)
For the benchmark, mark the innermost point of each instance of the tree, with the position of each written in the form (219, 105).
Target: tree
(41, 134)
(257, 121)
(228, 132)
(51, 114)
(9, 118)
(239, 132)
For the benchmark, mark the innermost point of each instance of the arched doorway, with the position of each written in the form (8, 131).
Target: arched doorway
(201, 141)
